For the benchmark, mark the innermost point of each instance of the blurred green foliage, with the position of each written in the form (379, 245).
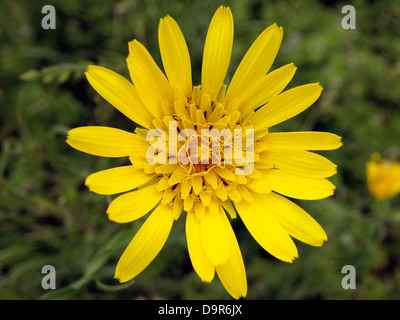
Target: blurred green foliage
(47, 216)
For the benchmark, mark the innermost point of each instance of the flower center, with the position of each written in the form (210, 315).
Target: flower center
(199, 133)
(199, 150)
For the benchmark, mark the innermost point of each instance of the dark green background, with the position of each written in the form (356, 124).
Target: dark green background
(47, 216)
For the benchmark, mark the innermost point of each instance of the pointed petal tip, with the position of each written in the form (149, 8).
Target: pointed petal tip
(222, 10)
(93, 68)
(89, 70)
(117, 278)
(323, 239)
(340, 142)
(163, 20)
(133, 43)
(222, 7)
(167, 17)
(239, 296)
(207, 280)
(121, 279)
(294, 258)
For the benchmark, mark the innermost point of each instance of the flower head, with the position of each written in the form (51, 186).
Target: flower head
(383, 177)
(206, 150)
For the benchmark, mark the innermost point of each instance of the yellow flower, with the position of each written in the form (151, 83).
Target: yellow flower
(240, 167)
(383, 177)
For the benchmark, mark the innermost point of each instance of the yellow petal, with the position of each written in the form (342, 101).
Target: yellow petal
(133, 205)
(232, 273)
(199, 210)
(217, 52)
(293, 219)
(175, 55)
(241, 179)
(162, 183)
(263, 163)
(167, 168)
(152, 85)
(215, 238)
(120, 93)
(117, 180)
(225, 173)
(228, 206)
(200, 119)
(245, 193)
(146, 244)
(200, 262)
(256, 62)
(285, 106)
(259, 185)
(178, 175)
(234, 195)
(169, 196)
(197, 183)
(205, 197)
(214, 205)
(266, 88)
(267, 231)
(297, 187)
(178, 207)
(105, 141)
(300, 162)
(306, 140)
(186, 187)
(212, 179)
(188, 203)
(221, 192)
